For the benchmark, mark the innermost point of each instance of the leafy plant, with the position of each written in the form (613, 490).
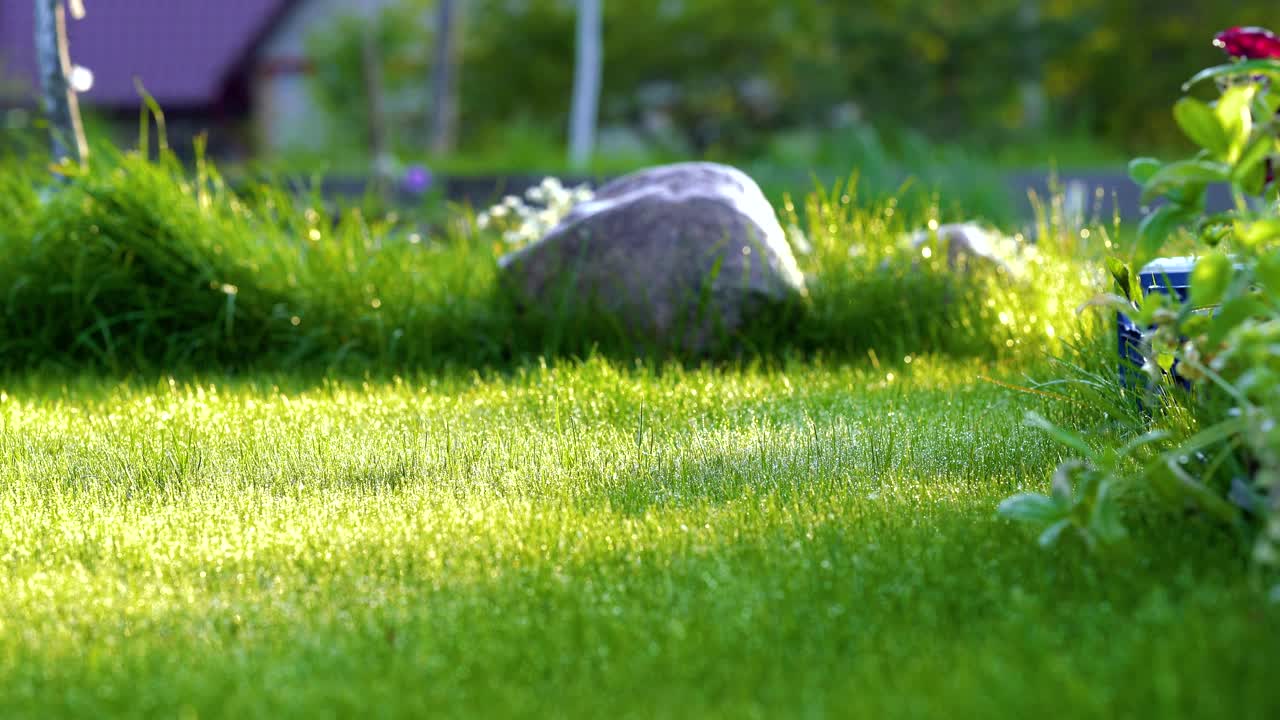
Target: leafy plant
(1082, 490)
(1225, 338)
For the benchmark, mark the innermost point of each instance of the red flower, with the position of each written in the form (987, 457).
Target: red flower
(1251, 43)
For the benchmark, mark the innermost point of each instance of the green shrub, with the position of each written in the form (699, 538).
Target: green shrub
(1216, 447)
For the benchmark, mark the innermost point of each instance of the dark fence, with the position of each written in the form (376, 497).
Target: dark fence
(1094, 195)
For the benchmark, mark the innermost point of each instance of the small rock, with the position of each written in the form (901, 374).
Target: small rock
(966, 244)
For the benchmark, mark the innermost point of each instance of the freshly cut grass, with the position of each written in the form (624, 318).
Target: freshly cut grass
(590, 539)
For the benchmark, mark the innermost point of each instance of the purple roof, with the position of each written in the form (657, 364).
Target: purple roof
(185, 52)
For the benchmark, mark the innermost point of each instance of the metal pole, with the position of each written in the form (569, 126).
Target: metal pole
(586, 83)
(58, 96)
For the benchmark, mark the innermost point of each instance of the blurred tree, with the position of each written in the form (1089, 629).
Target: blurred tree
(718, 70)
(721, 77)
(950, 67)
(376, 117)
(1127, 68)
(1032, 88)
(444, 97)
(398, 40)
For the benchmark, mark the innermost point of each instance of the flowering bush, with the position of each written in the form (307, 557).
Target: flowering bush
(525, 220)
(1225, 337)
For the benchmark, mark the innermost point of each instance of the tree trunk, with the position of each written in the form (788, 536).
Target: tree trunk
(586, 83)
(372, 71)
(444, 97)
(58, 97)
(1031, 89)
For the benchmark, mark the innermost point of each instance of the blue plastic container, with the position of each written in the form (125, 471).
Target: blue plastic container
(1165, 275)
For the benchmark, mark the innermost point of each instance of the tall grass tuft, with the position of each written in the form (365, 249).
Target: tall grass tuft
(138, 263)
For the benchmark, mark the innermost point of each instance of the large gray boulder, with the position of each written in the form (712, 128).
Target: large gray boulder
(682, 256)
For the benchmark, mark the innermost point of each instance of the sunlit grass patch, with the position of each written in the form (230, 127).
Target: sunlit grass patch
(256, 460)
(589, 538)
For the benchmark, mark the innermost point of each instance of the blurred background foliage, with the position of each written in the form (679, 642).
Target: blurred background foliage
(735, 79)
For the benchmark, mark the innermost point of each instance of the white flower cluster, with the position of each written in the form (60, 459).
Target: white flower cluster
(529, 219)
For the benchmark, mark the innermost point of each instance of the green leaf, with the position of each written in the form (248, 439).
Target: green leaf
(1206, 498)
(1053, 532)
(1141, 169)
(1253, 157)
(1232, 313)
(1104, 521)
(1270, 68)
(1196, 324)
(1200, 123)
(1253, 182)
(1267, 104)
(1031, 508)
(1155, 229)
(1148, 438)
(1214, 229)
(1189, 198)
(1065, 437)
(1236, 118)
(1184, 183)
(1267, 271)
(1185, 172)
(1122, 275)
(1259, 232)
(1151, 304)
(1210, 279)
(1062, 485)
(1212, 436)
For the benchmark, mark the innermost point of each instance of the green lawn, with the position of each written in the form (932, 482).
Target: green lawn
(592, 540)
